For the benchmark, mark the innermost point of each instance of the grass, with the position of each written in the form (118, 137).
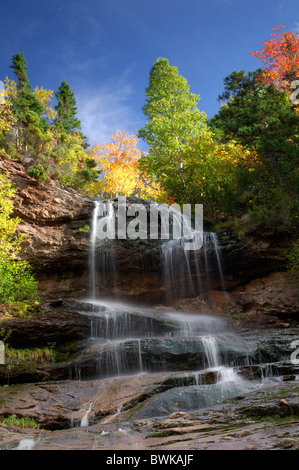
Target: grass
(22, 309)
(35, 355)
(26, 423)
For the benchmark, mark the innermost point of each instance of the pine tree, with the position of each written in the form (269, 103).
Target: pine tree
(66, 120)
(30, 126)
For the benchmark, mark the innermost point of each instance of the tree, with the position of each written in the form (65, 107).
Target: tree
(45, 97)
(71, 163)
(31, 128)
(216, 174)
(281, 58)
(66, 120)
(173, 121)
(118, 163)
(260, 118)
(7, 117)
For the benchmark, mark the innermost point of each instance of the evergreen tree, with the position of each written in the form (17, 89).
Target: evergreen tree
(264, 120)
(76, 167)
(66, 120)
(30, 126)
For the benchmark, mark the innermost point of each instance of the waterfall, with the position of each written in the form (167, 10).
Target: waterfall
(25, 444)
(211, 351)
(186, 272)
(102, 217)
(183, 270)
(130, 341)
(93, 267)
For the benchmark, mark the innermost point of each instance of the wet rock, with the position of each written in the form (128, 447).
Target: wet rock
(272, 345)
(62, 404)
(153, 355)
(286, 378)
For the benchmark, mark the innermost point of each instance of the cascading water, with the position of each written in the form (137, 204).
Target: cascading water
(211, 350)
(85, 420)
(93, 268)
(127, 340)
(180, 264)
(99, 260)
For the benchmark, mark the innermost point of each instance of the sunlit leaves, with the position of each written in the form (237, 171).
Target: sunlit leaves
(280, 56)
(45, 97)
(16, 281)
(118, 162)
(7, 118)
(173, 122)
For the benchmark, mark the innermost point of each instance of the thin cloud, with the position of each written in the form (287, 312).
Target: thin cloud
(104, 110)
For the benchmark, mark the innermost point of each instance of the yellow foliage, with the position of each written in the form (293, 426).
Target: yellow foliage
(118, 161)
(7, 119)
(45, 97)
(67, 155)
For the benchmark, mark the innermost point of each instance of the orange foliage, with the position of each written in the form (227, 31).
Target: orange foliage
(118, 161)
(281, 58)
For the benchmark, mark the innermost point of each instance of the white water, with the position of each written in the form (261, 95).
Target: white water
(93, 252)
(25, 444)
(227, 378)
(211, 351)
(190, 273)
(85, 420)
(186, 273)
(183, 269)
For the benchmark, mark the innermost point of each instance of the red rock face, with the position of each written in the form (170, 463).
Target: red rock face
(51, 216)
(58, 253)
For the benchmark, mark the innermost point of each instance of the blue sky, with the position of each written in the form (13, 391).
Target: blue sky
(105, 48)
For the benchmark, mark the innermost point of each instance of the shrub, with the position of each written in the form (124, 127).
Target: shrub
(293, 258)
(17, 282)
(38, 172)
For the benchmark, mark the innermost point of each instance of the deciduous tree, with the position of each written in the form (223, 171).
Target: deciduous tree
(280, 56)
(173, 122)
(118, 162)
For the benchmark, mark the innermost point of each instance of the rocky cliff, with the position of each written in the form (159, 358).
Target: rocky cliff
(51, 216)
(257, 284)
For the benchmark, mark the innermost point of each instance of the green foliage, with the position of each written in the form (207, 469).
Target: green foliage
(263, 120)
(38, 172)
(44, 355)
(31, 128)
(66, 120)
(173, 122)
(17, 283)
(23, 309)
(25, 423)
(49, 142)
(86, 228)
(293, 257)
